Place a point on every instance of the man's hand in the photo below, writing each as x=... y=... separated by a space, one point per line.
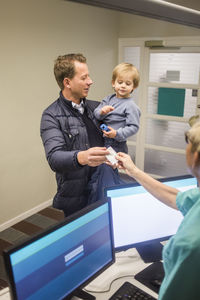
x=93 y=156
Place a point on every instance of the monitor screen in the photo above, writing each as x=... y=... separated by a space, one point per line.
x=55 y=263
x=140 y=219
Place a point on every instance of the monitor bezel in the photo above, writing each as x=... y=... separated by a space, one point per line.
x=10 y=250
x=135 y=184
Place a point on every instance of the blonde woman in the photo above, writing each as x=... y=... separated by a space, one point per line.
x=181 y=255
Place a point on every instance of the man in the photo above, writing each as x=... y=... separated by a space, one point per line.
x=73 y=142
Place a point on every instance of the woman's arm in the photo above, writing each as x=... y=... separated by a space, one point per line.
x=162 y=192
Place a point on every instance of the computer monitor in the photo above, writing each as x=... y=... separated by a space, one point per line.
x=140 y=220
x=58 y=262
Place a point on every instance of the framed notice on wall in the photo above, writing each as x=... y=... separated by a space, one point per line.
x=171 y=102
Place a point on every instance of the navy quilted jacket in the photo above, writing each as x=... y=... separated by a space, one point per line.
x=63 y=133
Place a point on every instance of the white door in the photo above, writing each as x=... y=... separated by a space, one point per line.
x=168 y=95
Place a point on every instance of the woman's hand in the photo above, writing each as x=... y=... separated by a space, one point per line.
x=125 y=162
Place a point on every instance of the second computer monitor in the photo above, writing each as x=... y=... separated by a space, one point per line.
x=140 y=220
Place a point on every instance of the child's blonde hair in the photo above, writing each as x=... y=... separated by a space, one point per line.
x=126 y=68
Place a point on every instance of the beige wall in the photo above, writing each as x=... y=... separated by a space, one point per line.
x=132 y=26
x=32 y=34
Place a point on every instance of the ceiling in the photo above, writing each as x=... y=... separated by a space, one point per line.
x=194 y=4
x=177 y=11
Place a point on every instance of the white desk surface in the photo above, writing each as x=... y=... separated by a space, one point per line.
x=127 y=264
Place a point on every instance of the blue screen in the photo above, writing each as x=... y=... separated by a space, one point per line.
x=54 y=265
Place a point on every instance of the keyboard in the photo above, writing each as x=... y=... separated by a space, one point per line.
x=129 y=291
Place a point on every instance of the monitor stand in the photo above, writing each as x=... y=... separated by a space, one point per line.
x=83 y=295
x=151 y=252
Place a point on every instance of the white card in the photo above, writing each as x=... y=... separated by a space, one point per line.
x=111 y=156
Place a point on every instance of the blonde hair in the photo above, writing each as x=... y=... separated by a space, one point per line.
x=193 y=135
x=126 y=68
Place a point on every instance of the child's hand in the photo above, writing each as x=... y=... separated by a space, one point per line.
x=111 y=133
x=106 y=109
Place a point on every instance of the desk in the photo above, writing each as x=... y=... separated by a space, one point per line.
x=127 y=265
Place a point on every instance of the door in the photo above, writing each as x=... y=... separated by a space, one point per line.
x=168 y=96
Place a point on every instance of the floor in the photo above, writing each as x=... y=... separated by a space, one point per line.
x=24 y=229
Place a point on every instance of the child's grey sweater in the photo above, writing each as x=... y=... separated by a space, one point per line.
x=124 y=118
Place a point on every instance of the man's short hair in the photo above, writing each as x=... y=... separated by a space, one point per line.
x=126 y=68
x=64 y=67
